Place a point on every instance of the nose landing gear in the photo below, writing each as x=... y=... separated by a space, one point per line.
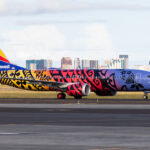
x=146 y=95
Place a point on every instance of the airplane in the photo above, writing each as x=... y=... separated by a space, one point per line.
x=75 y=82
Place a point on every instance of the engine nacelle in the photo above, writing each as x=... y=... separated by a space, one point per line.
x=106 y=93
x=78 y=90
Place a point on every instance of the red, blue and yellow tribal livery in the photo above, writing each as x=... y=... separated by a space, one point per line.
x=76 y=83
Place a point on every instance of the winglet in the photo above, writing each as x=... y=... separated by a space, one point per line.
x=3 y=57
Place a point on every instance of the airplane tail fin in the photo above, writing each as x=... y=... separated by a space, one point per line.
x=3 y=57
x=6 y=65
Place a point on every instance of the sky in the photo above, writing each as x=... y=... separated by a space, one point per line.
x=89 y=29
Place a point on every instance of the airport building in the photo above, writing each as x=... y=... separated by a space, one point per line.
x=66 y=63
x=117 y=63
x=85 y=64
x=113 y=64
x=141 y=67
x=49 y=63
x=93 y=64
x=89 y=64
x=77 y=63
x=103 y=67
x=124 y=61
x=36 y=64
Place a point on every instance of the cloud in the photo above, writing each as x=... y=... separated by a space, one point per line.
x=2 y=6
x=96 y=41
x=18 y=7
x=33 y=42
x=93 y=41
x=37 y=22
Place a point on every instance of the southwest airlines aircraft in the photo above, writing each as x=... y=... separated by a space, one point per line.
x=75 y=83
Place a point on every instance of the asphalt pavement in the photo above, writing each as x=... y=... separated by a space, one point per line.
x=74 y=126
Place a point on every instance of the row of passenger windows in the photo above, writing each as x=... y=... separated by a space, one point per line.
x=74 y=77
x=85 y=77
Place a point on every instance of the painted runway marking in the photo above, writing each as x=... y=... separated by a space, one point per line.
x=9 y=133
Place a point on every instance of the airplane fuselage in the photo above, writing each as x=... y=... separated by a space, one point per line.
x=103 y=82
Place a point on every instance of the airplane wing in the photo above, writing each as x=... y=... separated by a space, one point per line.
x=60 y=85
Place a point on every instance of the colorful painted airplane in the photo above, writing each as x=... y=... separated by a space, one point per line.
x=75 y=83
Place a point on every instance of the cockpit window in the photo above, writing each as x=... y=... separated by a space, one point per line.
x=148 y=76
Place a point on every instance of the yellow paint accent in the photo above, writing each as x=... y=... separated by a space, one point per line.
x=2 y=54
x=23 y=84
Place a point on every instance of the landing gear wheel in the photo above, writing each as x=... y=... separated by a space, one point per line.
x=77 y=97
x=61 y=95
x=145 y=97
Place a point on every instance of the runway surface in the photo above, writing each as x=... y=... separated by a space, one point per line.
x=72 y=101
x=74 y=126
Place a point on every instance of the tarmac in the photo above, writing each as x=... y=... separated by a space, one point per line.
x=74 y=126
x=71 y=101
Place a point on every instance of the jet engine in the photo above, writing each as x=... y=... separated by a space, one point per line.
x=78 y=90
x=106 y=93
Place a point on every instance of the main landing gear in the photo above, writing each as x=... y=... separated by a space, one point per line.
x=77 y=97
x=61 y=95
x=146 y=95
